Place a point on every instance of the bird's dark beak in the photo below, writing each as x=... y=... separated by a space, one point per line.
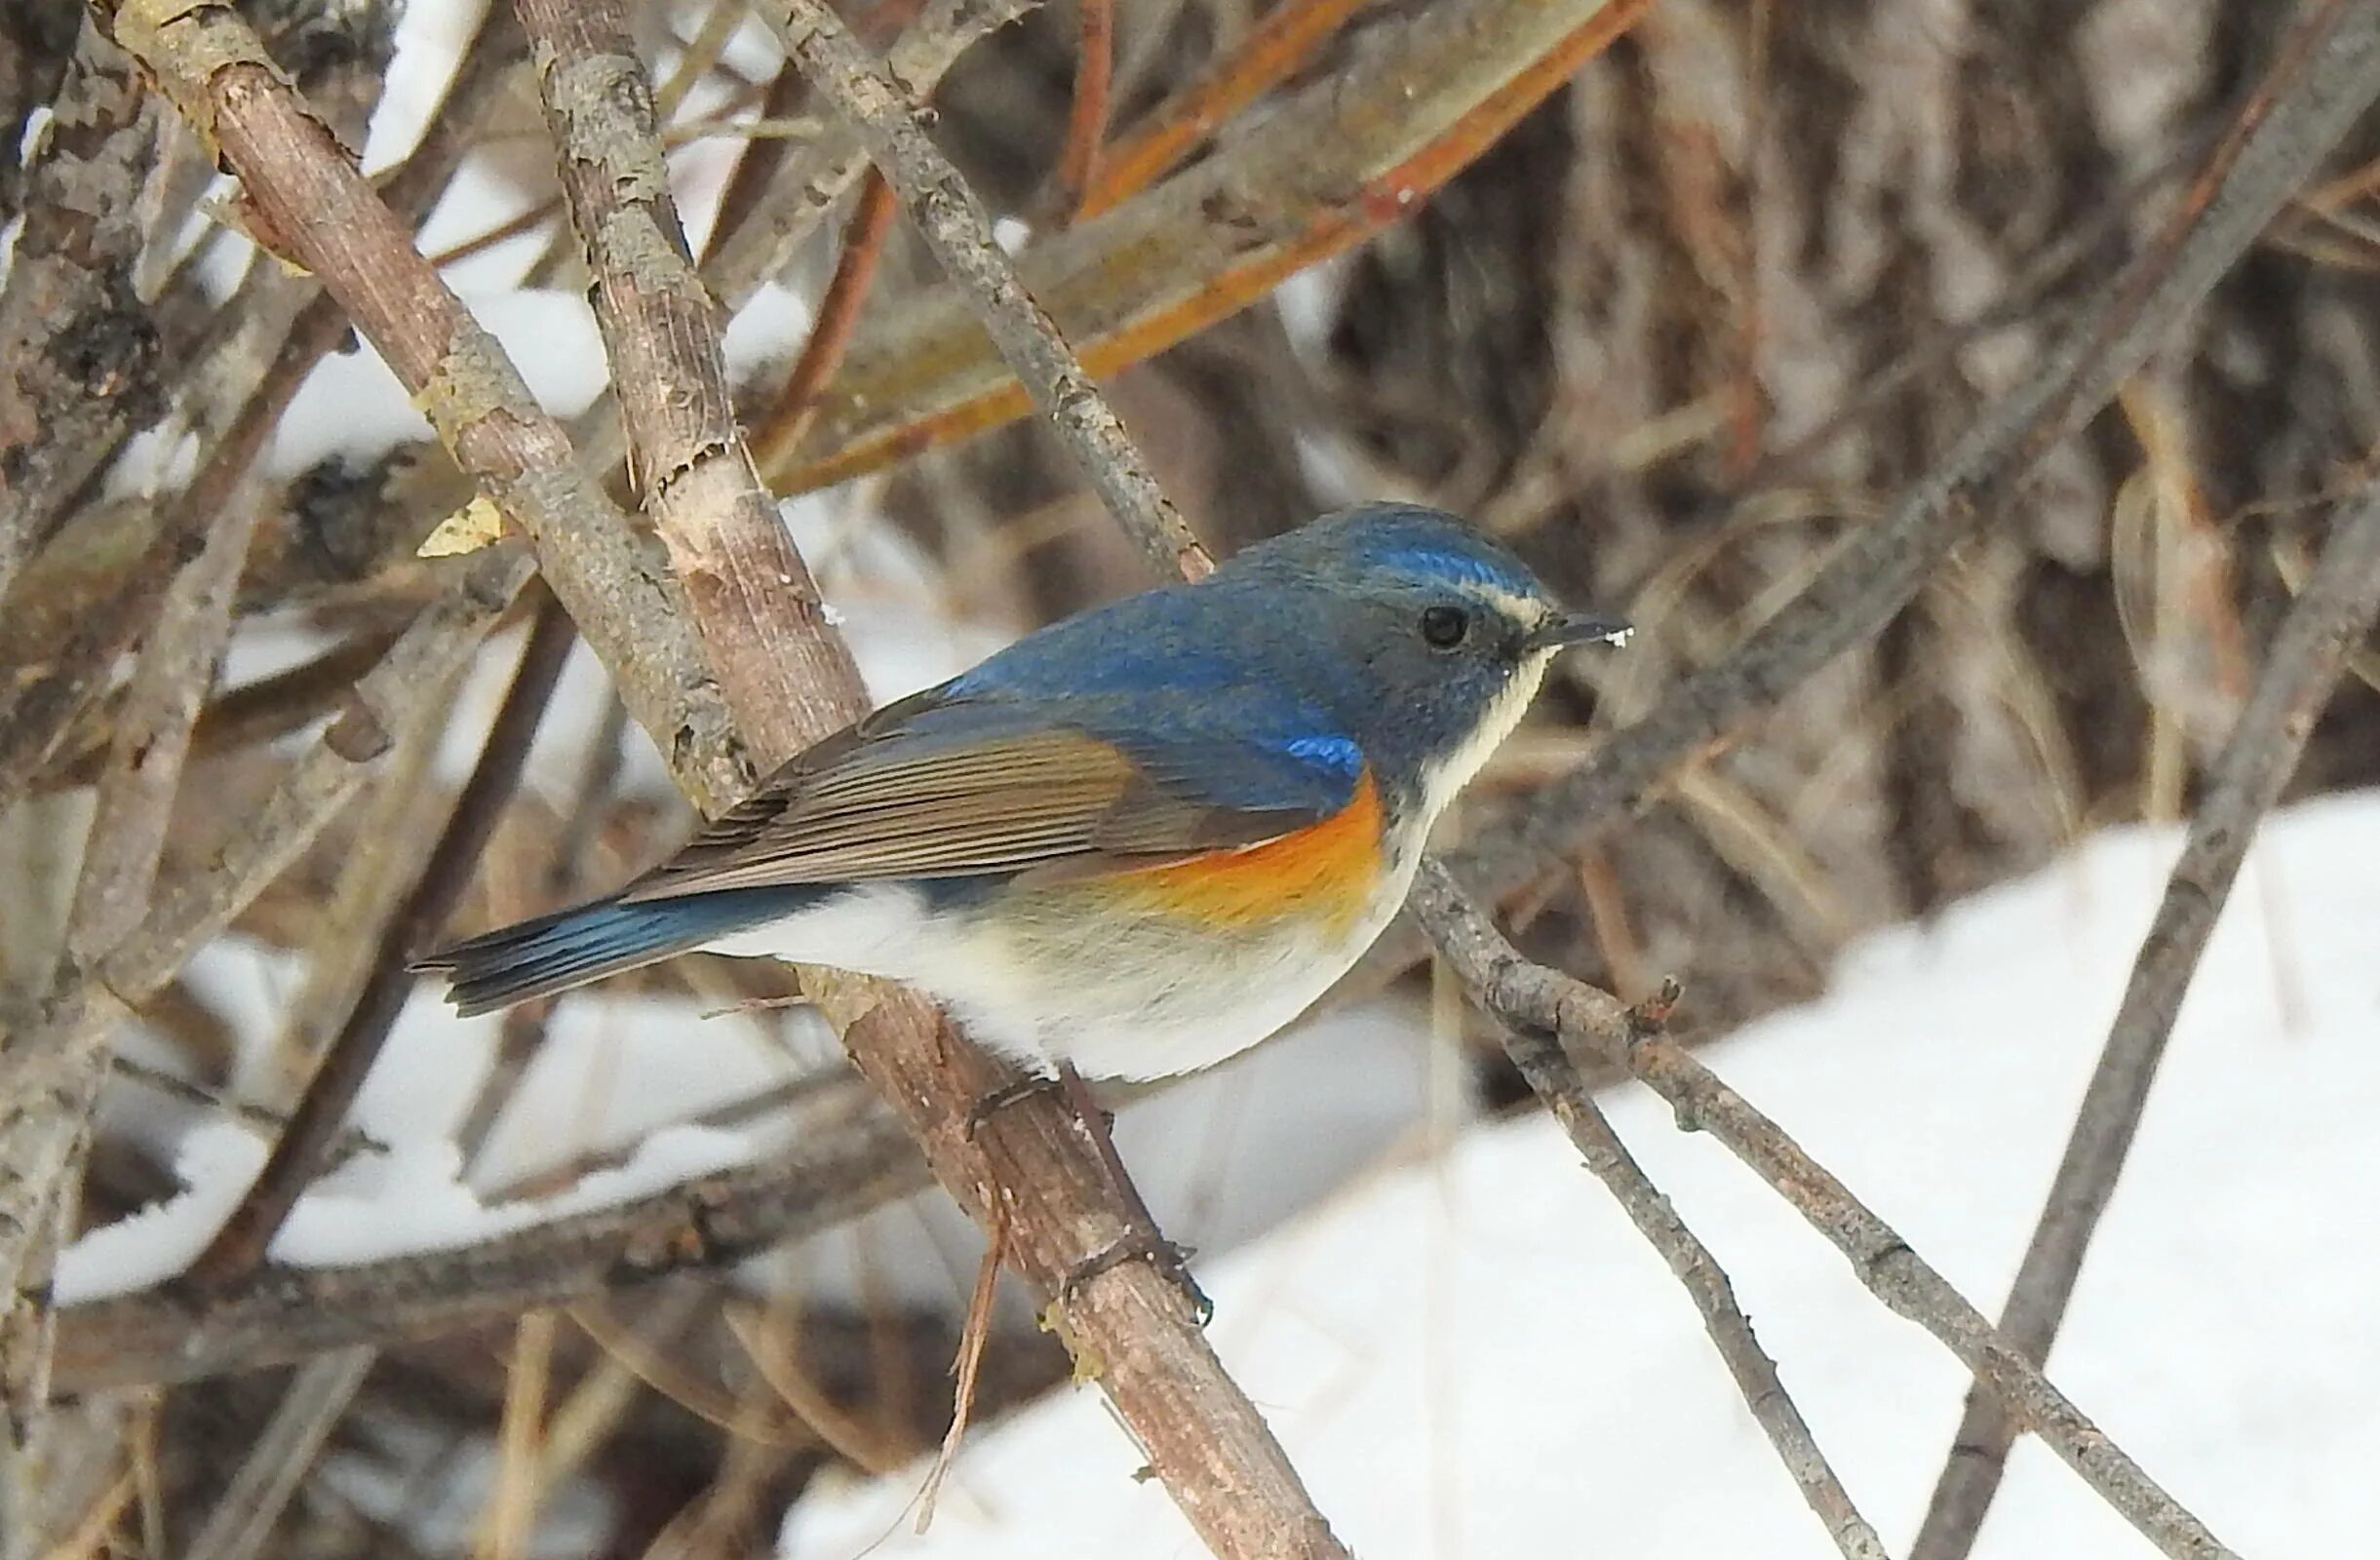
x=1577 y=628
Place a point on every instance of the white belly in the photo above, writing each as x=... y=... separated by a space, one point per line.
x=1123 y=998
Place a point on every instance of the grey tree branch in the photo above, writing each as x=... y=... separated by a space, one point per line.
x=1530 y=996
x=955 y=226
x=307 y=200
x=69 y=293
x=847 y=1155
x=2326 y=621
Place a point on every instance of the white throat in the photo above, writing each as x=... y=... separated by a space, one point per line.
x=1441 y=780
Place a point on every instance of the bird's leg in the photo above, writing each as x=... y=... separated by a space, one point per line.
x=1144 y=1241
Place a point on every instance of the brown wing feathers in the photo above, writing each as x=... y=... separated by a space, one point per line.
x=1048 y=799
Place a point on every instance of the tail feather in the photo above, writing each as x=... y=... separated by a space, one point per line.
x=574 y=947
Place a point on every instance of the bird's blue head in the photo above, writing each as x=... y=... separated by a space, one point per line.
x=1442 y=634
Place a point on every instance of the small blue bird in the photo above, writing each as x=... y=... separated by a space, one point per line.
x=1135 y=843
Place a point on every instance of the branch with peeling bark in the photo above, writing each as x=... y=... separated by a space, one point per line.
x=308 y=201
x=748 y=591
x=69 y=289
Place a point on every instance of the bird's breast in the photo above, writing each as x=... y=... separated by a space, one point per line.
x=1330 y=872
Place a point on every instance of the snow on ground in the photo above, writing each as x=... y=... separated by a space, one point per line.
x=1479 y=1357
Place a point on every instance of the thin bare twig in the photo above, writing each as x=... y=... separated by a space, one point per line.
x=277 y=1464
x=297 y=1155
x=865 y=237
x=955 y=226
x=1565 y=1094
x=1087 y=119
x=250 y=714
x=967 y=1367
x=1524 y=996
x=2309 y=653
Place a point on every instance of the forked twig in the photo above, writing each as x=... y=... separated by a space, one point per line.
x=1530 y=996
x=1567 y=1097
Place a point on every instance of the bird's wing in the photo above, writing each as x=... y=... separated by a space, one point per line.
x=943 y=787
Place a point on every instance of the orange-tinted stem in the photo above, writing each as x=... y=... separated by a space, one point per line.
x=863 y=241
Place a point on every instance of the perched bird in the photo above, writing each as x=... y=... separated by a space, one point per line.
x=1135 y=843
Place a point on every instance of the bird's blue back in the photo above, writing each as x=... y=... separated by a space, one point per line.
x=1187 y=682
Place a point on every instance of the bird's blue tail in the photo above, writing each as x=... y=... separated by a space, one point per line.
x=573 y=947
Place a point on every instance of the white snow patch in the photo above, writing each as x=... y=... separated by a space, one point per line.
x=407 y=1200
x=766 y=332
x=353 y=406
x=215 y=1162
x=430 y=41
x=1480 y=1358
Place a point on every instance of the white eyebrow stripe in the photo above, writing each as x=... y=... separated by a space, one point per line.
x=1526 y=610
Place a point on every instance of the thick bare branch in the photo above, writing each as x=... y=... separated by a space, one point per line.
x=753 y=604
x=308 y=201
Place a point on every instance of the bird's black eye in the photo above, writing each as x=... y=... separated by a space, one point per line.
x=1445 y=626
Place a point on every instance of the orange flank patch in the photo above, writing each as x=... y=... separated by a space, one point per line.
x=1328 y=870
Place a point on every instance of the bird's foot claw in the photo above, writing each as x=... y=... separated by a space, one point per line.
x=1006 y=1095
x=1148 y=1246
